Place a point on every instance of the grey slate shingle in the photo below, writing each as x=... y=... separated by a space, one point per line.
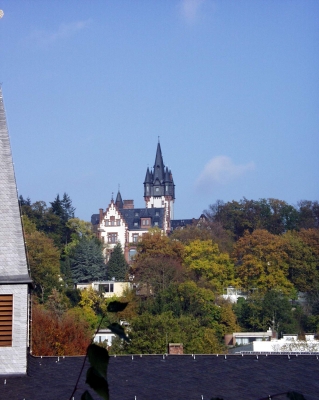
x=172 y=378
x=12 y=250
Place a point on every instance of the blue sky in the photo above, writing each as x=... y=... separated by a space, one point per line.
x=230 y=87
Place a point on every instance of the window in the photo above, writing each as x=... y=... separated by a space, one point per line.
x=135 y=237
x=131 y=254
x=118 y=222
x=106 y=222
x=112 y=237
x=145 y=222
x=135 y=223
x=155 y=223
x=6 y=305
x=107 y=288
x=157 y=213
x=157 y=189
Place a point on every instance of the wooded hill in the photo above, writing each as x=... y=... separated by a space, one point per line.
x=267 y=248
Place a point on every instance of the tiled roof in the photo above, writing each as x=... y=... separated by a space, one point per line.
x=179 y=223
x=12 y=250
x=133 y=215
x=182 y=377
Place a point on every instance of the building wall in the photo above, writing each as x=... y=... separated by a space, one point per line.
x=13 y=360
x=105 y=229
x=118 y=287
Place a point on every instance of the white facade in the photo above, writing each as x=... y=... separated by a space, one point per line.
x=232 y=294
x=165 y=202
x=13 y=359
x=104 y=335
x=112 y=228
x=108 y=288
x=289 y=343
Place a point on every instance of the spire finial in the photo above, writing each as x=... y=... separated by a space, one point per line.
x=158 y=139
x=112 y=197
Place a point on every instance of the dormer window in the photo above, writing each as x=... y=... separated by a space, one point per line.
x=157 y=189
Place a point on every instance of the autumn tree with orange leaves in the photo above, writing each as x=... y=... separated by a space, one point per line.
x=54 y=335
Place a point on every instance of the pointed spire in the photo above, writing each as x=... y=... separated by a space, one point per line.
x=148 y=177
x=119 y=201
x=159 y=165
x=13 y=263
x=167 y=177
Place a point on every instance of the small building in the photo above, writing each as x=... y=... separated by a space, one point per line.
x=104 y=336
x=232 y=294
x=108 y=288
x=245 y=338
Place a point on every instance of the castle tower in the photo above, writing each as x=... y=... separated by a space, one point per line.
x=159 y=188
x=14 y=276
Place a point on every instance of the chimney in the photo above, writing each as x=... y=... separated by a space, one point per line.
x=128 y=204
x=101 y=215
x=175 y=348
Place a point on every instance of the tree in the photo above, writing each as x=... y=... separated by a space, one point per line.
x=44 y=260
x=274 y=215
x=62 y=336
x=117 y=266
x=87 y=262
x=206 y=262
x=206 y=230
x=258 y=312
x=157 y=273
x=64 y=210
x=261 y=261
x=303 y=260
x=155 y=243
x=150 y=334
x=308 y=214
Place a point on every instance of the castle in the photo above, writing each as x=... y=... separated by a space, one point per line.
x=123 y=223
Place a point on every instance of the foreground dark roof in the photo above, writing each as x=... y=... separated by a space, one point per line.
x=172 y=377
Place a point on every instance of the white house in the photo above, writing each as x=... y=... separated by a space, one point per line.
x=108 y=288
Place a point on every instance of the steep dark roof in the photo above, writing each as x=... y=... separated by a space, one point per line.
x=13 y=261
x=95 y=219
x=181 y=223
x=119 y=201
x=171 y=378
x=159 y=165
x=134 y=215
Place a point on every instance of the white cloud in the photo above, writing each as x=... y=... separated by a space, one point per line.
x=62 y=32
x=190 y=9
x=221 y=170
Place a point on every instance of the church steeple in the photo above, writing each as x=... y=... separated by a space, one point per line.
x=12 y=255
x=14 y=276
x=159 y=188
x=159 y=165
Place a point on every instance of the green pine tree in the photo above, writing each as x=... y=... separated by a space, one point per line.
x=117 y=266
x=87 y=262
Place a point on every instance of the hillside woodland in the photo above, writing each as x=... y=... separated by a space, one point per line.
x=267 y=248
